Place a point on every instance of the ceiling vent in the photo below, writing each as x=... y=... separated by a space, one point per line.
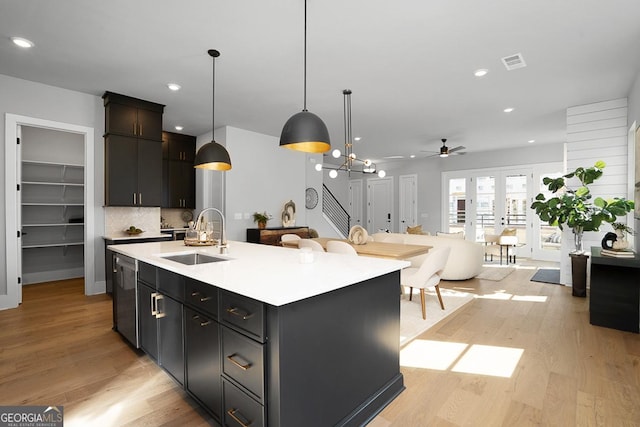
x=513 y=62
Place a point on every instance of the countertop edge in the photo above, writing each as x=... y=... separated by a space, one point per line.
x=274 y=279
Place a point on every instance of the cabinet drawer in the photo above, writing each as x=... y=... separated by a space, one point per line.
x=243 y=361
x=239 y=409
x=201 y=296
x=147 y=273
x=171 y=284
x=243 y=313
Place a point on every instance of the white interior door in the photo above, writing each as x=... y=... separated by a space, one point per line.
x=408 y=209
x=355 y=202
x=379 y=204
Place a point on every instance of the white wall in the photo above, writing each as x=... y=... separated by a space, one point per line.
x=263 y=178
x=36 y=100
x=595 y=132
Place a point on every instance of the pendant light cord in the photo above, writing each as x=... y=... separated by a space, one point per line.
x=305 y=56
x=213 y=54
x=213 y=100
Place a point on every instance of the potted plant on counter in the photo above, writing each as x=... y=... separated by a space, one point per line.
x=577 y=209
x=261 y=218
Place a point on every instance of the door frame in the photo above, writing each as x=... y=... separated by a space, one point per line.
x=13 y=297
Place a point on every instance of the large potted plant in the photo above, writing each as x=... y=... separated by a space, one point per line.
x=578 y=210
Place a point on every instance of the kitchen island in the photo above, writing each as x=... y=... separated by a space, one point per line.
x=260 y=338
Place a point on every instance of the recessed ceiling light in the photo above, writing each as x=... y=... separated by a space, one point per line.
x=179 y=128
x=508 y=110
x=480 y=72
x=19 y=41
x=174 y=86
x=531 y=141
x=357 y=138
x=413 y=156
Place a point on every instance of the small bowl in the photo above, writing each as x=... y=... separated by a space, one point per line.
x=133 y=233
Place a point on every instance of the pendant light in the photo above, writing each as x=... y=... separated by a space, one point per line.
x=305 y=131
x=212 y=155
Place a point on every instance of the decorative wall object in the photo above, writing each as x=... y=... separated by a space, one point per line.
x=289 y=214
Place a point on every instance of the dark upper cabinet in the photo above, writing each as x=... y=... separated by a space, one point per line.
x=133 y=151
x=178 y=173
x=132 y=117
x=133 y=171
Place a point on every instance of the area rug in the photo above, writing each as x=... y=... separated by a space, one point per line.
x=411 y=322
x=495 y=273
x=547 y=275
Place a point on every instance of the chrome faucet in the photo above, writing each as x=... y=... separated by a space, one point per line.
x=222 y=243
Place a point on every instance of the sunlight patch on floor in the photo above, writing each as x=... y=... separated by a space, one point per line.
x=460 y=357
x=489 y=360
x=429 y=354
x=504 y=296
x=532 y=298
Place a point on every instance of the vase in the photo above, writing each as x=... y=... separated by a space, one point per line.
x=262 y=225
x=577 y=239
x=621 y=240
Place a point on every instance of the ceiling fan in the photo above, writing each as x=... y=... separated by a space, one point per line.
x=445 y=151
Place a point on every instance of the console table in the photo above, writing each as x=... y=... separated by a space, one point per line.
x=272 y=235
x=614 y=298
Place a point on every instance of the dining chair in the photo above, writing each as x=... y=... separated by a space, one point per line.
x=308 y=243
x=339 y=247
x=427 y=275
x=289 y=237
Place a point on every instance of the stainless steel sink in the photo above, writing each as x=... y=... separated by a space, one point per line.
x=194 y=258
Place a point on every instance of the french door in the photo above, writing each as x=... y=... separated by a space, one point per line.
x=487 y=201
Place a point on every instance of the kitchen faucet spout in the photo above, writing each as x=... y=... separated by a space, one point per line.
x=222 y=243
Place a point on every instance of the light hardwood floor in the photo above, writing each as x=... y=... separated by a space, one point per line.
x=58 y=348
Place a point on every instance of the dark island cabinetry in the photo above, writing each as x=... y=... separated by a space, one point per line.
x=133 y=151
x=178 y=173
x=325 y=360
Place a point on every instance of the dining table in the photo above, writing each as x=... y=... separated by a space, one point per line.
x=373 y=249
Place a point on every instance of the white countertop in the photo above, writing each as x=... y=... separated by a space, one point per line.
x=270 y=274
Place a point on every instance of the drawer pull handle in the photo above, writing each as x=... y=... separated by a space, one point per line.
x=239 y=312
x=202 y=299
x=232 y=413
x=244 y=367
x=205 y=322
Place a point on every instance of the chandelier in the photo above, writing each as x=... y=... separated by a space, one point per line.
x=351 y=163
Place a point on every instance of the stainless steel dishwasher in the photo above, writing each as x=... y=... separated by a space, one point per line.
x=125 y=298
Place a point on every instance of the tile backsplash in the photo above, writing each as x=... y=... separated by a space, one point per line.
x=118 y=219
x=174 y=217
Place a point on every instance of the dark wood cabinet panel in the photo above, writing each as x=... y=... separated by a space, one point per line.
x=147 y=322
x=121 y=170
x=171 y=345
x=133 y=171
x=133 y=151
x=202 y=352
x=134 y=117
x=178 y=176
